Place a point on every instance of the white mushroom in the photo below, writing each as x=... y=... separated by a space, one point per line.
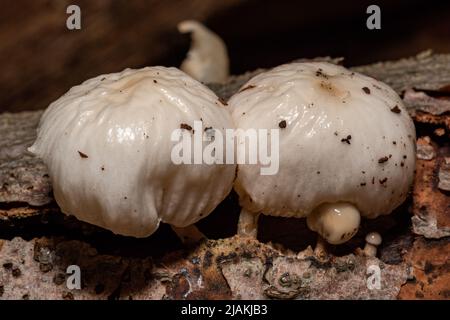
x=373 y=240
x=107 y=144
x=207 y=59
x=346 y=144
x=336 y=222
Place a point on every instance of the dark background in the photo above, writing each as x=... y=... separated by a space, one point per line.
x=40 y=59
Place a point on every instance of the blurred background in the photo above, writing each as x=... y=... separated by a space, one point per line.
x=40 y=58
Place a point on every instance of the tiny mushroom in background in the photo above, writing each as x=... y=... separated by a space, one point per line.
x=373 y=240
x=207 y=59
x=347 y=148
x=108 y=147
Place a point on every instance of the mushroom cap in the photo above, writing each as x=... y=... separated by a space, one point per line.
x=344 y=137
x=373 y=238
x=107 y=144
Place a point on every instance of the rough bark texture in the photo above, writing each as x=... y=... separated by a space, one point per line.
x=431 y=205
x=23 y=177
x=39 y=242
x=430 y=263
x=231 y=268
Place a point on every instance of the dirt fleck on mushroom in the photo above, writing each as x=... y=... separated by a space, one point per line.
x=185 y=126
x=319 y=73
x=282 y=124
x=83 y=155
x=154 y=81
x=383 y=159
x=396 y=109
x=222 y=101
x=376 y=87
x=366 y=90
x=247 y=87
x=383 y=181
x=326 y=85
x=347 y=140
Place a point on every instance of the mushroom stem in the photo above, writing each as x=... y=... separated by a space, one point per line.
x=321 y=247
x=189 y=234
x=370 y=250
x=248 y=224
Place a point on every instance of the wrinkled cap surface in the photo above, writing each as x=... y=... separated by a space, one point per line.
x=107 y=144
x=344 y=137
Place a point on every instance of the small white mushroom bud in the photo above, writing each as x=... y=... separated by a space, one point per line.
x=108 y=145
x=346 y=147
x=336 y=223
x=373 y=240
x=207 y=59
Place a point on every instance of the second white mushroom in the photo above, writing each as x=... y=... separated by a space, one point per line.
x=346 y=148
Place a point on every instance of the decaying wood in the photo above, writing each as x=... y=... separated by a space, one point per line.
x=231 y=268
x=431 y=206
x=23 y=177
x=234 y=267
x=430 y=263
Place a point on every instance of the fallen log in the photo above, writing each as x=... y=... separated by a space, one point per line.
x=38 y=243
